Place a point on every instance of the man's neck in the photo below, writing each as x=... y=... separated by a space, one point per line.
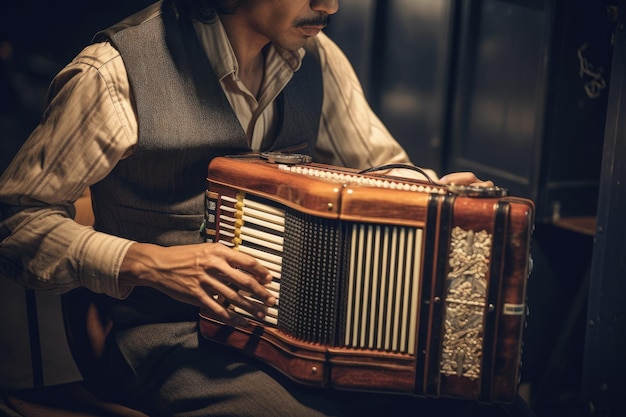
x=248 y=49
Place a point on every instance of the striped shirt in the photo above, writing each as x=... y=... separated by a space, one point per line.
x=90 y=124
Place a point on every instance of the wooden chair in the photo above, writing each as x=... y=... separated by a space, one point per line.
x=86 y=332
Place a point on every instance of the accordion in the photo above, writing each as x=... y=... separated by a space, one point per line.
x=383 y=284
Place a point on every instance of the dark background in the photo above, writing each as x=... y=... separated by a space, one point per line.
x=37 y=39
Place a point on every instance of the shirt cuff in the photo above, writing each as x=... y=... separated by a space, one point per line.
x=99 y=263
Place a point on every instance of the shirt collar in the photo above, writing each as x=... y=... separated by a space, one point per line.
x=217 y=47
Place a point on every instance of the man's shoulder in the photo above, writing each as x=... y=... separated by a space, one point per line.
x=98 y=55
x=147 y=14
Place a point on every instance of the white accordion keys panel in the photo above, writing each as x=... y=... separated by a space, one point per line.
x=383 y=285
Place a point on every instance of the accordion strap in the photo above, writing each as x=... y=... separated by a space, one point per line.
x=398 y=166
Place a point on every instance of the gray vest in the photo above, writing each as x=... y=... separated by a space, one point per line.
x=184 y=121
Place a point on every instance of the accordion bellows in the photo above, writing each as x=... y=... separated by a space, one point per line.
x=383 y=284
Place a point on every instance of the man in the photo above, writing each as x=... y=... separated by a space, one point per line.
x=137 y=116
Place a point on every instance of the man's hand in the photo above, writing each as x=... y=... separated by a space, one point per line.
x=194 y=274
x=465 y=178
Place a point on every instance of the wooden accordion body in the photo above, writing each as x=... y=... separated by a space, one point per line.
x=383 y=284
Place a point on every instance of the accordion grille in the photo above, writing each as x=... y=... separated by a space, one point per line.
x=355 y=286
x=310 y=278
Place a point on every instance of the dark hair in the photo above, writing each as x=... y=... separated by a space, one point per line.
x=206 y=10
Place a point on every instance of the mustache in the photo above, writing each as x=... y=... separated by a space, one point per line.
x=319 y=20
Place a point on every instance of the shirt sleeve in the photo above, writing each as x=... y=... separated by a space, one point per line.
x=350 y=133
x=88 y=125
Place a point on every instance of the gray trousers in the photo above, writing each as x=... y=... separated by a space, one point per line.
x=170 y=370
